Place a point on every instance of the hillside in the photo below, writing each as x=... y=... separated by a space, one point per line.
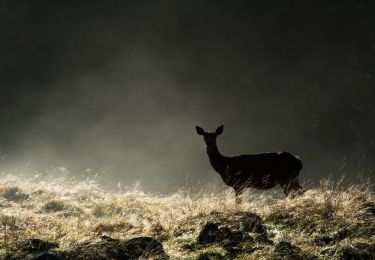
x=66 y=218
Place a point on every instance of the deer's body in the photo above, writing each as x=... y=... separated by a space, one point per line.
x=260 y=171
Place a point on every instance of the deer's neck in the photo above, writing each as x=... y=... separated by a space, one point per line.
x=218 y=161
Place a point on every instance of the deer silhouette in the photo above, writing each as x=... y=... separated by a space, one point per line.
x=260 y=171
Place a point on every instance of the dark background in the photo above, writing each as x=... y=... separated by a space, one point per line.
x=118 y=86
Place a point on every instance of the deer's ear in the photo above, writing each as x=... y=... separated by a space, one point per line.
x=220 y=130
x=200 y=130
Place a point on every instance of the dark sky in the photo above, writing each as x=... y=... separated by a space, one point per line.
x=118 y=86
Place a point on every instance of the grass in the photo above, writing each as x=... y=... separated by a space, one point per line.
x=322 y=223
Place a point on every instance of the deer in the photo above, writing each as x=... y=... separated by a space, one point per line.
x=260 y=171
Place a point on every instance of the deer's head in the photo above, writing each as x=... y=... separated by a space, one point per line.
x=209 y=138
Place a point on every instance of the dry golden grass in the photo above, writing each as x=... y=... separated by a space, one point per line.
x=72 y=213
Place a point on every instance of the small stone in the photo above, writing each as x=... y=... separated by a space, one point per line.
x=35 y=245
x=209 y=234
x=357 y=251
x=369 y=207
x=251 y=222
x=106 y=248
x=141 y=247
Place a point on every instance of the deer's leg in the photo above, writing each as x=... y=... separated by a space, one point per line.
x=292 y=188
x=295 y=188
x=238 y=193
x=298 y=190
x=285 y=189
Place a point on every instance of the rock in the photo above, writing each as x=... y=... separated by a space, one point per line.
x=251 y=222
x=48 y=256
x=238 y=244
x=209 y=234
x=144 y=247
x=225 y=233
x=224 y=236
x=369 y=208
x=357 y=251
x=231 y=240
x=233 y=237
x=285 y=249
x=35 y=245
x=238 y=221
x=107 y=248
x=339 y=235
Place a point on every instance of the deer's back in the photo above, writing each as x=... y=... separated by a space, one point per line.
x=278 y=167
x=267 y=161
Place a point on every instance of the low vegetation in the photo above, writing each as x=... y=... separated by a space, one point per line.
x=69 y=219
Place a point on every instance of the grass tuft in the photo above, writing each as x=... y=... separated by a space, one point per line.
x=14 y=194
x=53 y=206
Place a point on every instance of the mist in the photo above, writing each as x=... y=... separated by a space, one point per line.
x=116 y=88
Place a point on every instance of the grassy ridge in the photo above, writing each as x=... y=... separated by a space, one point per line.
x=325 y=223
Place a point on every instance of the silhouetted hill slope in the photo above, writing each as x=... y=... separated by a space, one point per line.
x=61 y=219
